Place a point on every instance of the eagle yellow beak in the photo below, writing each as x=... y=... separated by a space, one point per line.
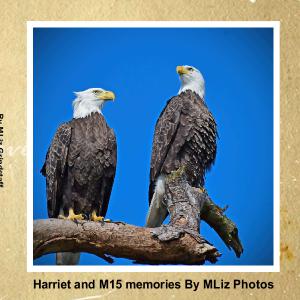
x=107 y=95
x=181 y=70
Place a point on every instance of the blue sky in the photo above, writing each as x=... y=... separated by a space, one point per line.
x=138 y=64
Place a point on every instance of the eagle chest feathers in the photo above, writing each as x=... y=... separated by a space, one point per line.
x=80 y=166
x=92 y=150
x=185 y=135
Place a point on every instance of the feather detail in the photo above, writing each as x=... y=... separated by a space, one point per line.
x=185 y=134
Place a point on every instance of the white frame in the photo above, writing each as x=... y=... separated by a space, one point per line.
x=155 y=24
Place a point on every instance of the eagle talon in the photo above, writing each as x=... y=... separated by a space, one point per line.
x=202 y=190
x=62 y=217
x=98 y=219
x=76 y=217
x=95 y=218
x=72 y=216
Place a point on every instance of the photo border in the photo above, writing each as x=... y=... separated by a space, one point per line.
x=276 y=143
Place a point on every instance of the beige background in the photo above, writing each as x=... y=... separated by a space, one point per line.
x=15 y=282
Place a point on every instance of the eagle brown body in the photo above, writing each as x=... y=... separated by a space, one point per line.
x=185 y=135
x=80 y=167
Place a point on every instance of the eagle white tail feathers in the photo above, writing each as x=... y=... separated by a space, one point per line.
x=67 y=258
x=157 y=211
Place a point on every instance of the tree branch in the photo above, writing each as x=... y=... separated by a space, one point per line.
x=214 y=216
x=118 y=240
x=178 y=242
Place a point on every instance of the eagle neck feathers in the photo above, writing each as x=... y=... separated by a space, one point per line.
x=84 y=109
x=193 y=86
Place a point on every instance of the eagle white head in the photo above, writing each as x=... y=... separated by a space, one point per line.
x=89 y=101
x=191 y=79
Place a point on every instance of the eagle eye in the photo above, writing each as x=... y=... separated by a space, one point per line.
x=190 y=69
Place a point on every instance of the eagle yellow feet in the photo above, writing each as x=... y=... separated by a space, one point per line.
x=72 y=216
x=95 y=218
x=202 y=189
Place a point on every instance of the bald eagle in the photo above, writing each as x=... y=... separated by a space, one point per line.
x=185 y=135
x=80 y=164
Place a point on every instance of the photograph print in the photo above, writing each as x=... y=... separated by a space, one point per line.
x=153 y=146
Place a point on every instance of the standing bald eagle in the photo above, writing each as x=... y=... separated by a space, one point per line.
x=185 y=135
x=81 y=163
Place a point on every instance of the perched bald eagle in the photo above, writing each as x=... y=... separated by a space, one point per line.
x=80 y=164
x=185 y=135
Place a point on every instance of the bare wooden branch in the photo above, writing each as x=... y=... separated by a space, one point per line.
x=215 y=217
x=118 y=240
x=179 y=242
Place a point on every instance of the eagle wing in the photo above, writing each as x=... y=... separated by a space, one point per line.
x=55 y=166
x=92 y=164
x=165 y=132
x=110 y=156
x=185 y=133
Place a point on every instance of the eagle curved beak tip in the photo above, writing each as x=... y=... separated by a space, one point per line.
x=108 y=95
x=181 y=70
